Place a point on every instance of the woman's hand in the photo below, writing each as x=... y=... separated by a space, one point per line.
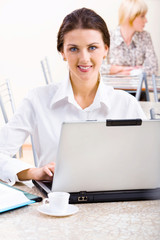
x=122 y=70
x=43 y=173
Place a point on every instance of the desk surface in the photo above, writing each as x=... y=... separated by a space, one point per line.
x=130 y=82
x=114 y=221
x=138 y=220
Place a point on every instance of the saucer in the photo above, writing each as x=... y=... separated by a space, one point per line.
x=69 y=211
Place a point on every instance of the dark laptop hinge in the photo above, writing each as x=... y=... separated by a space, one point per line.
x=123 y=122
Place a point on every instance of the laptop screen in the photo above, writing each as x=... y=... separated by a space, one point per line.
x=96 y=157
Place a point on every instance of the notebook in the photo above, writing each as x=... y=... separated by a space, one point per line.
x=114 y=160
x=13 y=198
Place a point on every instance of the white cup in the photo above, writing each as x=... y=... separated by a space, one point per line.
x=58 y=201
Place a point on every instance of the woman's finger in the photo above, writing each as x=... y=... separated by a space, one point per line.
x=48 y=171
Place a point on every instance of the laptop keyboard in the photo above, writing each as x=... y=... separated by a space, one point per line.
x=48 y=184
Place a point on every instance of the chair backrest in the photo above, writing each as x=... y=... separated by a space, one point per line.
x=7 y=104
x=6 y=100
x=46 y=71
x=3 y=111
x=6 y=97
x=128 y=83
x=155 y=82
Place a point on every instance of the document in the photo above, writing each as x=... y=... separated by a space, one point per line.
x=11 y=198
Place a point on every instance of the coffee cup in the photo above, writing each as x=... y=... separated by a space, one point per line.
x=57 y=201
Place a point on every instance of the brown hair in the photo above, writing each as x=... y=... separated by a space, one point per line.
x=82 y=19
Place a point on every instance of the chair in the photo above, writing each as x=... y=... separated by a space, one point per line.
x=131 y=84
x=34 y=153
x=46 y=70
x=155 y=82
x=7 y=103
x=154 y=115
x=6 y=97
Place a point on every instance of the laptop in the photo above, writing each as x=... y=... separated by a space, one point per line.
x=114 y=160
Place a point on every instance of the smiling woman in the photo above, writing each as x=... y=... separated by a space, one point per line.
x=83 y=40
x=84 y=59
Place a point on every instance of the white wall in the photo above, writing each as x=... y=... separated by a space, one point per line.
x=28 y=32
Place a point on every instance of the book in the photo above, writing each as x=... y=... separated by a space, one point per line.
x=12 y=198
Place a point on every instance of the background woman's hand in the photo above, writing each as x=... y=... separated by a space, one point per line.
x=43 y=173
x=122 y=70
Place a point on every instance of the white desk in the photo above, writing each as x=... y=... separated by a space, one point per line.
x=101 y=221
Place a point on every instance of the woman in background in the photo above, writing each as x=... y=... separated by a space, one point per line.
x=131 y=49
x=83 y=41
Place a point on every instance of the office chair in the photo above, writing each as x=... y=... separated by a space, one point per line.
x=131 y=84
x=46 y=71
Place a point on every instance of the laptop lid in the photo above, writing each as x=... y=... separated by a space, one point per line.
x=93 y=156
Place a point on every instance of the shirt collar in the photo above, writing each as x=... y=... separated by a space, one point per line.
x=118 y=39
x=135 y=38
x=103 y=94
x=65 y=93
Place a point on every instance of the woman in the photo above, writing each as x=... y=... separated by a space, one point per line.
x=83 y=41
x=131 y=47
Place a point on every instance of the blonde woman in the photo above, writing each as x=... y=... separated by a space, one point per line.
x=131 y=47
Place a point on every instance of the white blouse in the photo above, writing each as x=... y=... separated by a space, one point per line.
x=41 y=114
